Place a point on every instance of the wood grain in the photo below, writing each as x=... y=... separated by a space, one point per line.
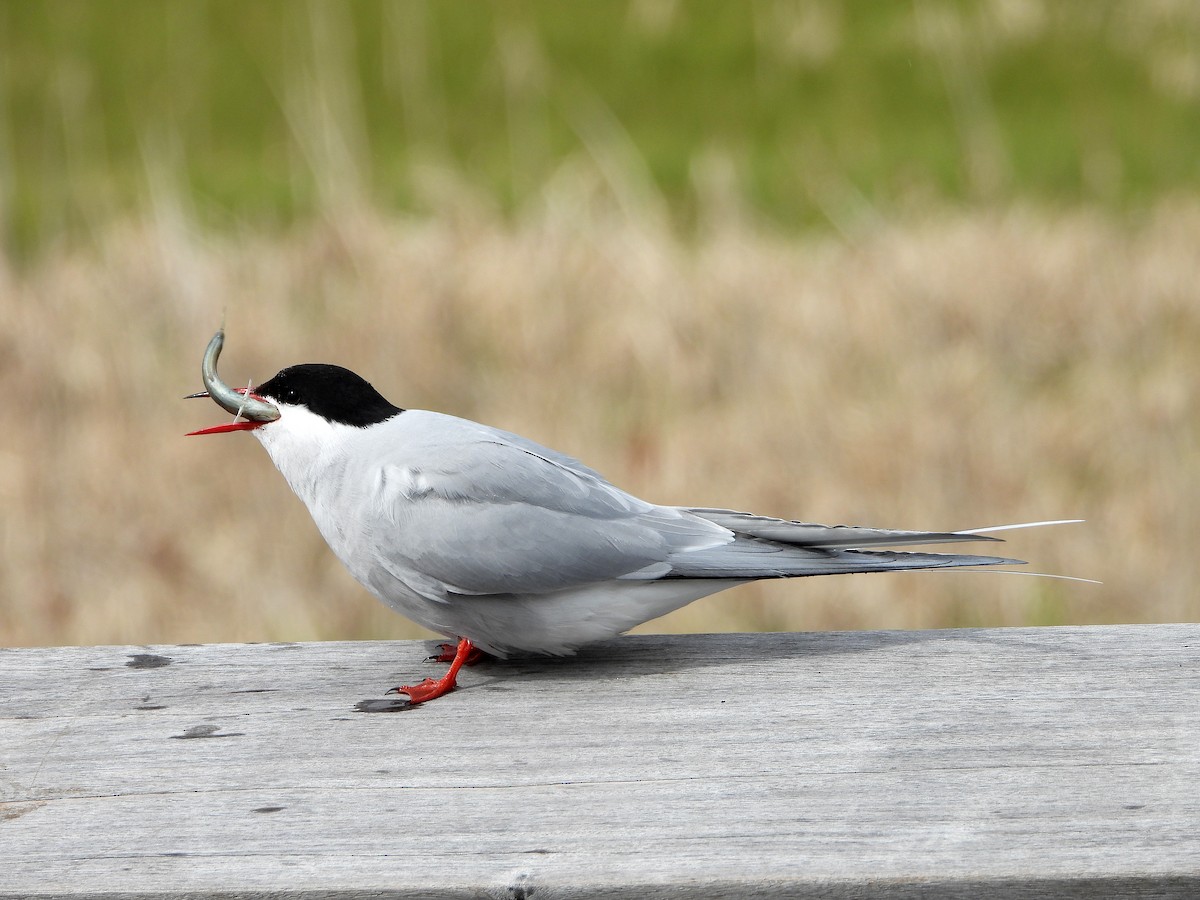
x=1018 y=762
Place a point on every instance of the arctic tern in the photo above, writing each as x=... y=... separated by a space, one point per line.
x=503 y=545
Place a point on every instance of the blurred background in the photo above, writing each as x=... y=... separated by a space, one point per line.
x=921 y=265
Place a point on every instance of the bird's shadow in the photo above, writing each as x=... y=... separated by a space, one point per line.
x=641 y=655
x=675 y=653
x=666 y=654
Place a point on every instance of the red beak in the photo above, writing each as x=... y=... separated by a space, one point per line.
x=228 y=426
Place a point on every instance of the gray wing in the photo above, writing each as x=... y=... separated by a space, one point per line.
x=489 y=516
x=468 y=509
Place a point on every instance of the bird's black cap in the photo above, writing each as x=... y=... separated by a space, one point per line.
x=331 y=392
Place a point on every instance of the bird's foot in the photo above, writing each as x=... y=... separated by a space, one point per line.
x=430 y=688
x=448 y=651
x=426 y=690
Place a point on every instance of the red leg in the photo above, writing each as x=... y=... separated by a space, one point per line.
x=430 y=689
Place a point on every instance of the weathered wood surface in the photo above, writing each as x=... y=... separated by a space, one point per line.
x=1018 y=763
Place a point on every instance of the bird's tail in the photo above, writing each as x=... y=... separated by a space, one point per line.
x=776 y=548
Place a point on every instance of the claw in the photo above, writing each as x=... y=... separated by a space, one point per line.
x=445 y=653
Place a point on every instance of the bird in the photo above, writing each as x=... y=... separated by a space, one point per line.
x=503 y=545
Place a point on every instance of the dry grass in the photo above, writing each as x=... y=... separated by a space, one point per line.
x=960 y=370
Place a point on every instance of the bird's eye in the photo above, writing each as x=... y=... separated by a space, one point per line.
x=290 y=395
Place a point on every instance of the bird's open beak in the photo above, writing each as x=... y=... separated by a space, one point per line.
x=249 y=409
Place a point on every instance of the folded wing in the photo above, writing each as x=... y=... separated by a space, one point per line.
x=491 y=513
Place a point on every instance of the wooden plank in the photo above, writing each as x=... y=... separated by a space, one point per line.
x=1019 y=762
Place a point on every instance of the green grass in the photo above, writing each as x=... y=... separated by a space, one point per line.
x=810 y=105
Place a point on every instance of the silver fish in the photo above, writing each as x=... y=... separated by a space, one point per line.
x=242 y=402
